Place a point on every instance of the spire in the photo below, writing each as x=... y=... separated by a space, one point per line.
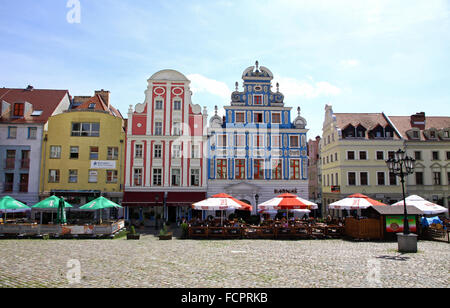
x=257 y=65
x=299 y=111
x=278 y=87
x=216 y=109
x=237 y=86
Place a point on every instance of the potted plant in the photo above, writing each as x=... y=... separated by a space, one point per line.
x=132 y=234
x=164 y=234
x=184 y=230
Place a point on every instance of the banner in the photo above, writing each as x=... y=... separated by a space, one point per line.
x=395 y=224
x=103 y=164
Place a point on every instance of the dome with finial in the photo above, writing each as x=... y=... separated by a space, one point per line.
x=258 y=72
x=299 y=121
x=215 y=121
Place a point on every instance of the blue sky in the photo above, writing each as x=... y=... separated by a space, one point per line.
x=359 y=56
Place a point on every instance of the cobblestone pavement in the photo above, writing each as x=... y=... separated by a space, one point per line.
x=237 y=263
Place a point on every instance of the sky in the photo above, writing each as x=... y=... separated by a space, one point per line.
x=389 y=56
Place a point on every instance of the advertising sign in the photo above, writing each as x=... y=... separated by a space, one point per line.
x=103 y=164
x=395 y=224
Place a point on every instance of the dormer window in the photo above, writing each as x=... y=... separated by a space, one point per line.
x=18 y=109
x=415 y=134
x=257 y=99
x=91 y=106
x=432 y=134
x=36 y=113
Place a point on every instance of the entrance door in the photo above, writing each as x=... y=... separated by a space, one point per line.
x=172 y=213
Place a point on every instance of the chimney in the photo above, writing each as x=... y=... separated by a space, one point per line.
x=29 y=88
x=105 y=96
x=418 y=120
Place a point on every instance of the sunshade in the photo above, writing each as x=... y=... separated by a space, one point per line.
x=425 y=206
x=354 y=202
x=50 y=203
x=221 y=202
x=8 y=204
x=99 y=204
x=288 y=202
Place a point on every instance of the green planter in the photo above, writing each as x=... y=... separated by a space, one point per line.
x=165 y=237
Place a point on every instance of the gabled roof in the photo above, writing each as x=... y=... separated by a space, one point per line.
x=95 y=102
x=368 y=120
x=42 y=100
x=403 y=123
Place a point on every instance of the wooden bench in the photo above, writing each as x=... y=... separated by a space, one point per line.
x=198 y=232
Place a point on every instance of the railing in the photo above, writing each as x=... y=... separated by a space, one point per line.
x=10 y=163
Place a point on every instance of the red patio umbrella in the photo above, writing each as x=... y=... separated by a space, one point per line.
x=354 y=202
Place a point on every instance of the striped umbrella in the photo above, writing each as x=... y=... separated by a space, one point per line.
x=354 y=202
x=288 y=202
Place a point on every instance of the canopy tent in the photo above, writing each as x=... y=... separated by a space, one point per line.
x=221 y=202
x=8 y=204
x=100 y=204
x=425 y=206
x=355 y=202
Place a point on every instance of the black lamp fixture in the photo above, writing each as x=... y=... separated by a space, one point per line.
x=257 y=200
x=402 y=165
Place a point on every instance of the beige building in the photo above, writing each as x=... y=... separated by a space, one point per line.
x=354 y=148
x=427 y=139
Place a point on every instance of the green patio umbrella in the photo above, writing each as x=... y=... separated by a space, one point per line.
x=52 y=203
x=9 y=203
x=100 y=204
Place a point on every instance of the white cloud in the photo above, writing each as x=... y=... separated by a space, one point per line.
x=349 y=63
x=200 y=83
x=291 y=87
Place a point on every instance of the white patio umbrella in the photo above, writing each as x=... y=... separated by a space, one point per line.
x=425 y=206
x=221 y=202
x=288 y=202
x=354 y=202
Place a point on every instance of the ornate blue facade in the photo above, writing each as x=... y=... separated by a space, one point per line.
x=255 y=144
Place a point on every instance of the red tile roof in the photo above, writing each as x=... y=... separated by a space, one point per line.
x=403 y=123
x=368 y=120
x=97 y=103
x=44 y=100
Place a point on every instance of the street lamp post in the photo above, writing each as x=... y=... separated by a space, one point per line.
x=402 y=165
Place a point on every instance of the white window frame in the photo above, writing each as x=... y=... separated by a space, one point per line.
x=177 y=102
x=158 y=128
x=262 y=144
x=178 y=177
x=240 y=112
x=385 y=178
x=140 y=152
x=220 y=140
x=346 y=156
x=367 y=155
x=91 y=177
x=298 y=141
x=134 y=177
x=159 y=175
x=237 y=137
x=159 y=150
x=271 y=118
x=262 y=117
x=197 y=177
x=368 y=178
x=55 y=152
x=176 y=151
x=254 y=99
x=348 y=178
x=159 y=102
x=280 y=141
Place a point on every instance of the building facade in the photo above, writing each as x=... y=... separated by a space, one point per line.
x=23 y=122
x=314 y=176
x=354 y=149
x=427 y=140
x=165 y=167
x=255 y=152
x=83 y=152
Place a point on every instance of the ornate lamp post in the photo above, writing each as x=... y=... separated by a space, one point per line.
x=256 y=200
x=402 y=165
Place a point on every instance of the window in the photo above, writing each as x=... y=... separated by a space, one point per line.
x=177 y=105
x=391 y=154
x=137 y=177
x=293 y=141
x=32 y=133
x=258 y=117
x=93 y=176
x=337 y=178
x=55 y=152
x=432 y=134
x=85 y=129
x=350 y=155
x=380 y=155
x=448 y=178
x=195 y=151
x=258 y=169
x=25 y=162
x=419 y=178
x=176 y=177
x=448 y=155
x=276 y=141
x=294 y=169
x=23 y=185
x=158 y=104
x=276 y=118
x=335 y=156
x=239 y=169
x=381 y=178
x=418 y=155
x=240 y=141
x=18 y=109
x=222 y=169
x=73 y=176
x=240 y=117
x=158 y=128
x=74 y=152
x=258 y=141
x=392 y=179
x=352 y=178
x=111 y=176
x=435 y=155
x=138 y=151
x=176 y=151
x=177 y=129
x=93 y=154
x=364 y=178
x=113 y=153
x=10 y=159
x=53 y=176
x=9 y=182
x=157 y=177
x=257 y=99
x=195 y=177
x=157 y=151
x=12 y=132
x=277 y=169
x=436 y=178
x=362 y=155
x=222 y=140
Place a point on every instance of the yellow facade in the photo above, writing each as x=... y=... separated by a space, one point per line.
x=59 y=159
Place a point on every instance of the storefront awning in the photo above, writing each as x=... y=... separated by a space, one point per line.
x=184 y=198
x=139 y=199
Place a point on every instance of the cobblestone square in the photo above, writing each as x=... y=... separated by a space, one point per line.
x=228 y=263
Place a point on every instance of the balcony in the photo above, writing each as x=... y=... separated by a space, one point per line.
x=8 y=187
x=25 y=164
x=10 y=163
